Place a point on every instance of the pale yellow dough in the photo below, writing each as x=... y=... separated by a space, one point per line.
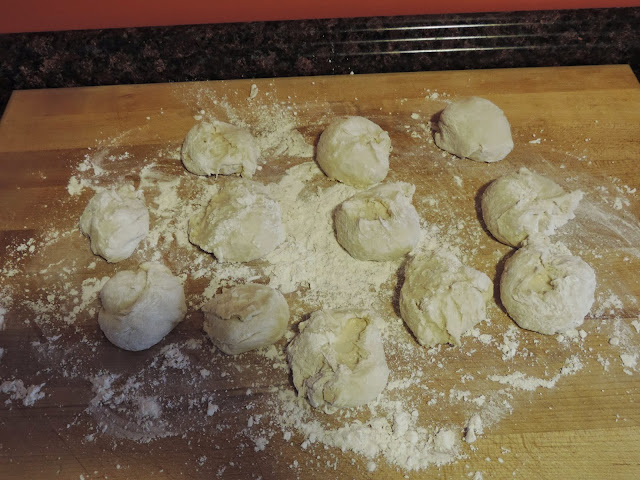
x=355 y=151
x=246 y=317
x=140 y=307
x=338 y=358
x=241 y=223
x=441 y=298
x=219 y=148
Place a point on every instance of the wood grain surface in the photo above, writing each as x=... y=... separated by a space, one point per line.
x=578 y=125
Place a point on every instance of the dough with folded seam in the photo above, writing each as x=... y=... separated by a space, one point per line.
x=116 y=220
x=355 y=151
x=442 y=298
x=546 y=289
x=140 y=307
x=379 y=223
x=338 y=359
x=246 y=317
x=523 y=204
x=220 y=148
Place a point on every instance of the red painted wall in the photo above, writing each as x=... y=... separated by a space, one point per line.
x=46 y=15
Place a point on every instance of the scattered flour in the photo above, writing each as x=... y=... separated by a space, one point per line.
x=519 y=380
x=148 y=407
x=310 y=258
x=212 y=409
x=629 y=360
x=474 y=428
x=17 y=391
x=396 y=436
x=509 y=346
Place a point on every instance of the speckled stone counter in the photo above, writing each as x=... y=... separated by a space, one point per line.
x=318 y=47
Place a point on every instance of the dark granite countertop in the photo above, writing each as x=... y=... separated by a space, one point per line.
x=319 y=47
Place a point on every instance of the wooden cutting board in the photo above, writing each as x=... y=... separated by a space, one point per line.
x=579 y=125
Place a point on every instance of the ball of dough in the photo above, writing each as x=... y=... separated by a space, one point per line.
x=355 y=151
x=546 y=289
x=116 y=220
x=246 y=317
x=338 y=359
x=441 y=298
x=140 y=307
x=523 y=203
x=379 y=223
x=241 y=223
x=474 y=128
x=213 y=148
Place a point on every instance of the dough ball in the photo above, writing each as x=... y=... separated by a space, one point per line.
x=355 y=151
x=441 y=298
x=241 y=223
x=338 y=359
x=116 y=221
x=379 y=223
x=546 y=289
x=213 y=148
x=140 y=307
x=474 y=128
x=245 y=318
x=521 y=204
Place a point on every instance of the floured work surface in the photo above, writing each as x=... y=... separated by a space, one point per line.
x=507 y=403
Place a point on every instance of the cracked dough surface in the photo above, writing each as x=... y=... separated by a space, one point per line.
x=338 y=359
x=219 y=148
x=379 y=223
x=116 y=220
x=246 y=317
x=546 y=289
x=523 y=204
x=140 y=307
x=441 y=298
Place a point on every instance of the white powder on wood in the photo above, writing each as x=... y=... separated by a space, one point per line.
x=521 y=381
x=629 y=360
x=473 y=429
x=310 y=258
x=397 y=438
x=148 y=407
x=17 y=391
x=212 y=409
x=140 y=404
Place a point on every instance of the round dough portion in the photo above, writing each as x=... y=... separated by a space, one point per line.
x=355 y=151
x=474 y=128
x=219 y=148
x=338 y=359
x=546 y=289
x=246 y=317
x=241 y=223
x=116 y=220
x=140 y=307
x=441 y=298
x=523 y=204
x=379 y=223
